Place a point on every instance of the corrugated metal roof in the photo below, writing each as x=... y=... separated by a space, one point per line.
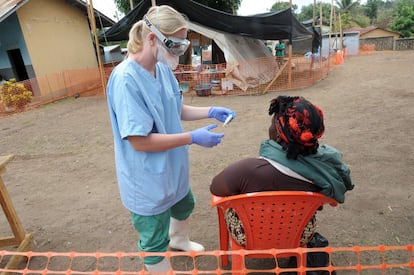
x=8 y=7
x=362 y=30
x=369 y=29
x=99 y=17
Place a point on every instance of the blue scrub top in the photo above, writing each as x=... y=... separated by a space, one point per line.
x=139 y=104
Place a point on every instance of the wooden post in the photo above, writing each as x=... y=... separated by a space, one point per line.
x=313 y=30
x=91 y=14
x=19 y=237
x=333 y=31
x=330 y=33
x=275 y=78
x=341 y=33
x=313 y=13
x=321 y=32
x=290 y=49
x=290 y=64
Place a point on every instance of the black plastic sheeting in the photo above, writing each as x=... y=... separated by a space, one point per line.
x=265 y=26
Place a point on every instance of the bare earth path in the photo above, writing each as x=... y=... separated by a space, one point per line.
x=63 y=184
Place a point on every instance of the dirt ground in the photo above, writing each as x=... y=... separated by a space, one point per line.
x=63 y=185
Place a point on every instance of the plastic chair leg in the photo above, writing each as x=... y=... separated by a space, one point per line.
x=224 y=237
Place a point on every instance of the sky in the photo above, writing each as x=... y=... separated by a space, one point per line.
x=107 y=7
x=249 y=7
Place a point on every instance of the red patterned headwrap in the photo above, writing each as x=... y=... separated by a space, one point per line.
x=297 y=120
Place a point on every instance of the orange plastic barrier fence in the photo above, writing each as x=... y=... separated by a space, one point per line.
x=302 y=73
x=53 y=87
x=347 y=260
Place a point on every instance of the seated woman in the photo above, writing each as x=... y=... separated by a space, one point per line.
x=291 y=159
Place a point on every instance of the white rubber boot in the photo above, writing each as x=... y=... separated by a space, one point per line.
x=179 y=236
x=159 y=268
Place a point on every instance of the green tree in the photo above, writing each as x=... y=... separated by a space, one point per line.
x=352 y=14
x=404 y=20
x=379 y=12
x=349 y=17
x=278 y=6
x=371 y=9
x=385 y=14
x=356 y=19
x=346 y=5
x=306 y=12
x=124 y=6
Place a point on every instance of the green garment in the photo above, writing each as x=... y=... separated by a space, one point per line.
x=325 y=168
x=280 y=50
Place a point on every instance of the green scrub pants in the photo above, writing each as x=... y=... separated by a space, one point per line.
x=153 y=230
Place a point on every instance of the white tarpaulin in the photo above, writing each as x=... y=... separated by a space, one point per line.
x=249 y=61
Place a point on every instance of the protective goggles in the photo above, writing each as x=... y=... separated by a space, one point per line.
x=175 y=46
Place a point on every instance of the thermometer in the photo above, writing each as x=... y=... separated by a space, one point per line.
x=228 y=119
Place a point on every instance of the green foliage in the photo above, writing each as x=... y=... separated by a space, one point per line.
x=349 y=20
x=15 y=94
x=307 y=12
x=385 y=16
x=346 y=6
x=278 y=6
x=124 y=6
x=404 y=21
x=352 y=15
x=371 y=9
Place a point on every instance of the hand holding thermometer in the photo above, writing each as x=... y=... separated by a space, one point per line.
x=228 y=119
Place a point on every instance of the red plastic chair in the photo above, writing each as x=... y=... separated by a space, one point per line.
x=270 y=219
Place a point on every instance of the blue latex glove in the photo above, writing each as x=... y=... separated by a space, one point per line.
x=204 y=137
x=220 y=113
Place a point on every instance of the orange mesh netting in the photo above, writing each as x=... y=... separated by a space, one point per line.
x=298 y=72
x=355 y=260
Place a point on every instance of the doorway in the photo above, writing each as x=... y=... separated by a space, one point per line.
x=17 y=63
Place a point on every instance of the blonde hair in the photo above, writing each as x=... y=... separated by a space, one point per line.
x=166 y=19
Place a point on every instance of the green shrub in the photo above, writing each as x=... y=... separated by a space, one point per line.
x=15 y=94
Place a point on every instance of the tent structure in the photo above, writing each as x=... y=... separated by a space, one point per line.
x=239 y=37
x=265 y=26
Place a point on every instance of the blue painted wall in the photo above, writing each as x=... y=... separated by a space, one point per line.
x=11 y=37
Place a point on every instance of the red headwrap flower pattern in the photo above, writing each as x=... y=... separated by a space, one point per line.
x=297 y=120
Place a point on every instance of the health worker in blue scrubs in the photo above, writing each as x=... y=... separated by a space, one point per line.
x=151 y=147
